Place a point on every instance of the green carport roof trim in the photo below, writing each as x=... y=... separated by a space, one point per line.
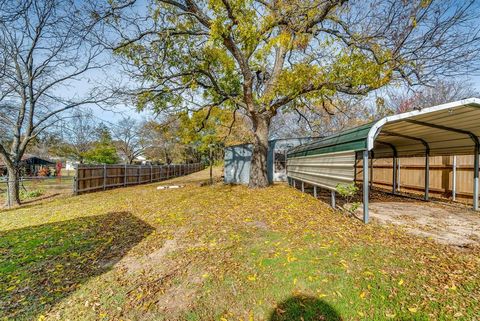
x=351 y=139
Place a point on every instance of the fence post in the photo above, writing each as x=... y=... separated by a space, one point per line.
x=399 y=175
x=75 y=181
x=476 y=161
x=139 y=174
x=454 y=179
x=394 y=175
x=427 y=177
x=104 y=176
x=151 y=173
x=125 y=176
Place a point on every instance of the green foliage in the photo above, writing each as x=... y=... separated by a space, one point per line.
x=213 y=62
x=103 y=151
x=348 y=192
x=215 y=128
x=102 y=154
x=30 y=194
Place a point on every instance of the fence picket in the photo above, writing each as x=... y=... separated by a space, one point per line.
x=88 y=179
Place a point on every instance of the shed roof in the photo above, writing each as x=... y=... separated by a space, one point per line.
x=448 y=129
x=32 y=160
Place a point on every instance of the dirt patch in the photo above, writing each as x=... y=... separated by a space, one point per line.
x=258 y=224
x=444 y=223
x=442 y=220
x=179 y=297
x=163 y=282
x=154 y=259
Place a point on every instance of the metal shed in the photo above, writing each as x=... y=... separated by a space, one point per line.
x=238 y=157
x=443 y=130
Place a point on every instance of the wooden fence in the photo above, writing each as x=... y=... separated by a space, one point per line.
x=445 y=172
x=90 y=178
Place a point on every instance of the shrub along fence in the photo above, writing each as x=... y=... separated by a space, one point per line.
x=90 y=178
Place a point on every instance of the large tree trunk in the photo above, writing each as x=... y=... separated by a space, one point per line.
x=13 y=196
x=258 y=166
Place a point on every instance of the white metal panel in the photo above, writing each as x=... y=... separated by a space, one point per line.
x=324 y=170
x=463 y=114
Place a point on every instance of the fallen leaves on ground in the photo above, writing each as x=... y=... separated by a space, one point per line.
x=213 y=252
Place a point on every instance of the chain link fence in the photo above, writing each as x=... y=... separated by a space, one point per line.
x=34 y=188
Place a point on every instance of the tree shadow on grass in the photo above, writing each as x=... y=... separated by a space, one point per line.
x=40 y=265
x=304 y=308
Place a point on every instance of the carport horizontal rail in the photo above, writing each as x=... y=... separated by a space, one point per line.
x=91 y=178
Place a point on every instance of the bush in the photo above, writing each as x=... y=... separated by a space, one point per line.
x=30 y=194
x=348 y=192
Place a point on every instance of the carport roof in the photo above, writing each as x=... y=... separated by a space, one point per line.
x=448 y=129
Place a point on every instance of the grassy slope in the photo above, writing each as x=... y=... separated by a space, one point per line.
x=225 y=253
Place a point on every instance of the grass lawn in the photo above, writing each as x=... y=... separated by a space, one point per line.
x=222 y=253
x=37 y=189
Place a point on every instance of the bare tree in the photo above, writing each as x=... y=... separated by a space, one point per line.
x=44 y=145
x=129 y=138
x=265 y=55
x=164 y=143
x=308 y=121
x=45 y=48
x=438 y=92
x=78 y=135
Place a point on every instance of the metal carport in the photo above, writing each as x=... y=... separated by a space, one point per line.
x=443 y=130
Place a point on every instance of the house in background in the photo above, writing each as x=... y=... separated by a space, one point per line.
x=30 y=165
x=238 y=157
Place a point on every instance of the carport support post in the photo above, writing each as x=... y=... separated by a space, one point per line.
x=365 y=186
x=303 y=187
x=333 y=199
x=427 y=176
x=315 y=191
x=475 y=178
